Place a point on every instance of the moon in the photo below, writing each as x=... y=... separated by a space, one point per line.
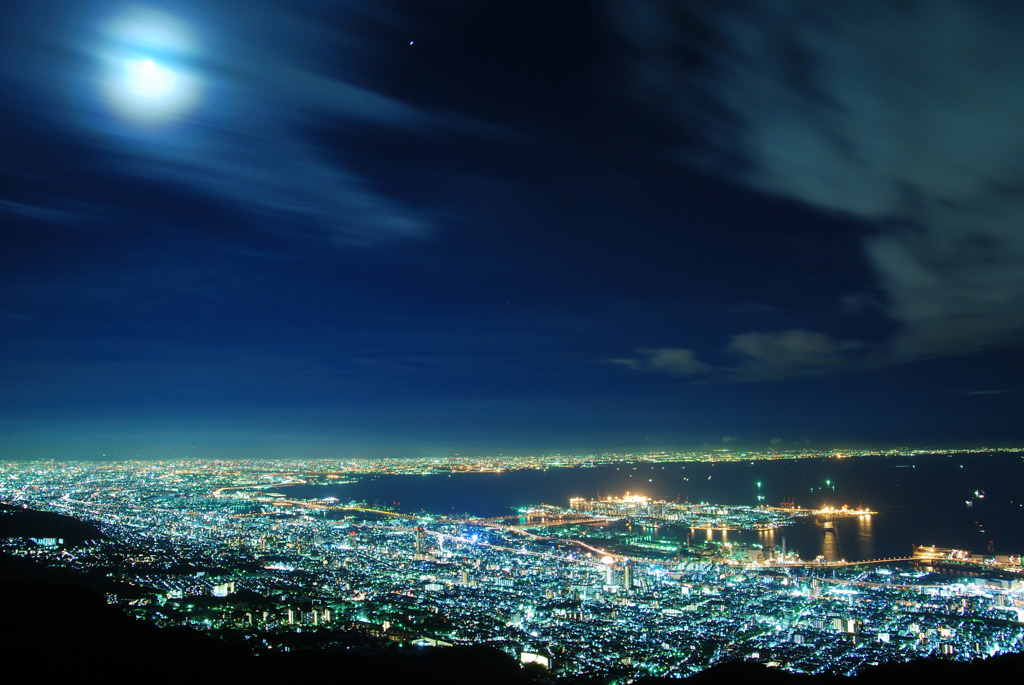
x=149 y=75
x=148 y=80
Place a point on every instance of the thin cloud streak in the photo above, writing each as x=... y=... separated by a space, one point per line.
x=779 y=355
x=762 y=356
x=248 y=141
x=673 y=360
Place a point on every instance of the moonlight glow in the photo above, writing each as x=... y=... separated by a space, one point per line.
x=149 y=75
x=147 y=80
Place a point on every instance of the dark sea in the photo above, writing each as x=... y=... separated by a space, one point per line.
x=973 y=502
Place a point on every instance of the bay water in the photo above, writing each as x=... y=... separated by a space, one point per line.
x=970 y=501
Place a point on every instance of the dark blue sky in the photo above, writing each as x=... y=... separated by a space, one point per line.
x=333 y=229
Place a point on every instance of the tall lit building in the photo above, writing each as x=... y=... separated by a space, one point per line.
x=421 y=543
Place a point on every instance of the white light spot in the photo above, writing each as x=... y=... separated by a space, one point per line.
x=149 y=75
x=147 y=80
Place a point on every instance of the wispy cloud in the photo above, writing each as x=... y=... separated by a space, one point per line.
x=760 y=355
x=672 y=360
x=267 y=81
x=777 y=355
x=37 y=212
x=906 y=115
x=987 y=392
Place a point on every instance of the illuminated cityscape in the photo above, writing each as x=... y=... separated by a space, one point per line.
x=583 y=588
x=593 y=340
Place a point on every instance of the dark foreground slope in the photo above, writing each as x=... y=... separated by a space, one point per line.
x=58 y=626
x=65 y=631
x=16 y=521
x=1005 y=668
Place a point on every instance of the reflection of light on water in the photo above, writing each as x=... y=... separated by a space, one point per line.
x=865 y=538
x=829 y=546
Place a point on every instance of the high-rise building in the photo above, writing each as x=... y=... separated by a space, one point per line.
x=421 y=544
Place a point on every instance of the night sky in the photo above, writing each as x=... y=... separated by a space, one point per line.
x=310 y=228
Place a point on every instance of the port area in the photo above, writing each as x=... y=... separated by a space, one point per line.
x=701 y=515
x=1004 y=565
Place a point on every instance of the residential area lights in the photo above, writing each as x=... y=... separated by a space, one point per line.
x=589 y=589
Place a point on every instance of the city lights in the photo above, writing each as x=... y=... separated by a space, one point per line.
x=584 y=588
